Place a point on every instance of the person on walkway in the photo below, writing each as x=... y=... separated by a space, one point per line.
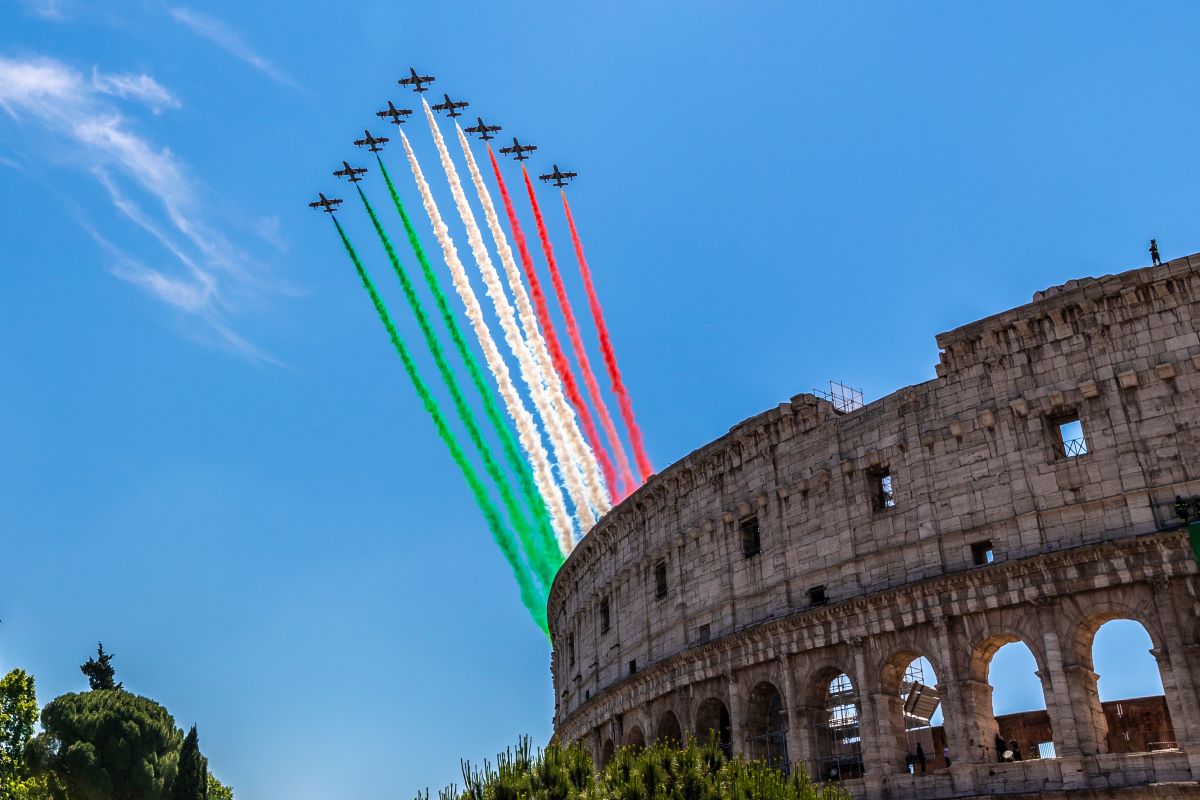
x=1154 y=252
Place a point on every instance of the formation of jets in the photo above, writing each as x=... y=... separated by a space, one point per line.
x=560 y=178
x=398 y=116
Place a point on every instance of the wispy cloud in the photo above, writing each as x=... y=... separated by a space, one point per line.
x=141 y=88
x=54 y=10
x=212 y=276
x=219 y=33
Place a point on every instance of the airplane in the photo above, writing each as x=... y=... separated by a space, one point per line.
x=394 y=113
x=325 y=204
x=560 y=178
x=350 y=172
x=416 y=80
x=373 y=141
x=518 y=150
x=483 y=130
x=451 y=106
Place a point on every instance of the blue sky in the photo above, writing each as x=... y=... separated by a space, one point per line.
x=211 y=459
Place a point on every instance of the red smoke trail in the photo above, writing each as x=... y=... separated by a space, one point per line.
x=610 y=355
x=589 y=378
x=561 y=365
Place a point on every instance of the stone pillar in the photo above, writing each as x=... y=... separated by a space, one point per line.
x=961 y=718
x=1059 y=697
x=798 y=753
x=737 y=717
x=1179 y=672
x=874 y=750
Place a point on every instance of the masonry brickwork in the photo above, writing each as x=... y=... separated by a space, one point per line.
x=944 y=520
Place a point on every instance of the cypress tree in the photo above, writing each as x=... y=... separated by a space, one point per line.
x=99 y=671
x=191 y=782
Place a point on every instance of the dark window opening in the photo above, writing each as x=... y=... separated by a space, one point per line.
x=751 y=542
x=604 y=615
x=703 y=634
x=882 y=495
x=816 y=596
x=570 y=649
x=981 y=552
x=587 y=694
x=1069 y=440
x=660 y=579
x=633 y=666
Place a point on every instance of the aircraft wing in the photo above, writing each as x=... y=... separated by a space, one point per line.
x=569 y=175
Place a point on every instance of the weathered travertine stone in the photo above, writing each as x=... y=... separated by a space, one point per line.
x=788 y=563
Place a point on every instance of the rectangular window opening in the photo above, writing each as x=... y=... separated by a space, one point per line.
x=633 y=666
x=1070 y=441
x=751 y=536
x=882 y=495
x=817 y=597
x=981 y=553
x=604 y=616
x=660 y=579
x=570 y=649
x=704 y=633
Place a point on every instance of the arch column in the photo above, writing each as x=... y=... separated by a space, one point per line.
x=797 y=753
x=1057 y=690
x=874 y=750
x=961 y=717
x=737 y=718
x=1178 y=674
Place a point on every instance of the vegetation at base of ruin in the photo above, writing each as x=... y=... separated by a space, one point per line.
x=102 y=744
x=663 y=771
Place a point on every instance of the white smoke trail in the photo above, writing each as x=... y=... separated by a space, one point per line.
x=591 y=493
x=527 y=432
x=582 y=451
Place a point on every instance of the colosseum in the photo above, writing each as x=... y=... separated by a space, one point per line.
x=826 y=586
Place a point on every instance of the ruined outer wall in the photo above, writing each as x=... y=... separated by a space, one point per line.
x=972 y=458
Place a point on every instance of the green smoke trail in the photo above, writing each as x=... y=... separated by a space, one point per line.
x=504 y=540
x=551 y=553
x=533 y=551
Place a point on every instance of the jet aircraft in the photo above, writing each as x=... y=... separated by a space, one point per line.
x=414 y=80
x=483 y=130
x=350 y=172
x=325 y=204
x=560 y=178
x=372 y=141
x=396 y=114
x=451 y=106
x=518 y=150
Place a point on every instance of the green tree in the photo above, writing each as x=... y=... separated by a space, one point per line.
x=106 y=745
x=191 y=781
x=18 y=713
x=218 y=790
x=99 y=671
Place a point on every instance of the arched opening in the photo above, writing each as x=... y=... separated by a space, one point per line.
x=914 y=709
x=766 y=726
x=634 y=737
x=1021 y=728
x=1133 y=704
x=838 y=740
x=606 y=753
x=668 y=729
x=712 y=720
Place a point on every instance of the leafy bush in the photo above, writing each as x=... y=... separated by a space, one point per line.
x=660 y=772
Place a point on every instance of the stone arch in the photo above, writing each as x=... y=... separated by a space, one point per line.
x=829 y=720
x=1033 y=729
x=668 y=729
x=766 y=725
x=635 y=737
x=909 y=707
x=606 y=752
x=712 y=718
x=1118 y=726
